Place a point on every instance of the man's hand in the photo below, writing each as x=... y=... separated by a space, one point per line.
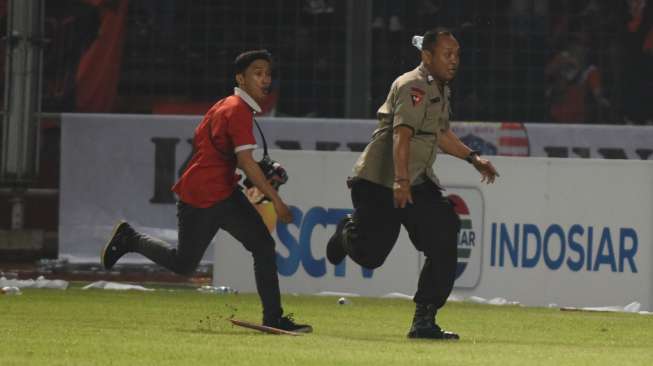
x=402 y=194
x=451 y=144
x=283 y=212
x=487 y=170
x=253 y=171
x=254 y=195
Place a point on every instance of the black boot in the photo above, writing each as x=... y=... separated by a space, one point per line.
x=424 y=324
x=335 y=247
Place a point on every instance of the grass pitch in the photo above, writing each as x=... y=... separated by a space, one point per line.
x=184 y=327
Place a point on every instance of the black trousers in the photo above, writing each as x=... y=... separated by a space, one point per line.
x=198 y=226
x=432 y=226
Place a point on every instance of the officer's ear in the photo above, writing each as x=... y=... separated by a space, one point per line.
x=427 y=57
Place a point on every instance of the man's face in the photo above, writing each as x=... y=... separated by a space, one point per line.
x=442 y=61
x=256 y=80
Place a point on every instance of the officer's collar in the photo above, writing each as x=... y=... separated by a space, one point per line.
x=247 y=99
x=429 y=78
x=425 y=73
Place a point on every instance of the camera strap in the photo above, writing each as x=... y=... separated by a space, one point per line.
x=265 y=144
x=231 y=156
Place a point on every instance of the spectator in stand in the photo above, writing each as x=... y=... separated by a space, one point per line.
x=72 y=26
x=638 y=63
x=3 y=26
x=99 y=68
x=571 y=78
x=387 y=14
x=315 y=7
x=528 y=17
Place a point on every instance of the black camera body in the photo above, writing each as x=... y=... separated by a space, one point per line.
x=273 y=172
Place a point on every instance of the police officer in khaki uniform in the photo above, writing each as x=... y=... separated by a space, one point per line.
x=394 y=183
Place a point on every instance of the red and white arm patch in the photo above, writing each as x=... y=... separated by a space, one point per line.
x=416 y=95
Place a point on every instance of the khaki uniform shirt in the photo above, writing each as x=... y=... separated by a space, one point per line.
x=421 y=103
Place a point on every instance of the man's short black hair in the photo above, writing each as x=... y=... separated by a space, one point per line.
x=246 y=58
x=431 y=37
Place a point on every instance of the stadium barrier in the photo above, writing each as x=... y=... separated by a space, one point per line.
x=568 y=231
x=565 y=231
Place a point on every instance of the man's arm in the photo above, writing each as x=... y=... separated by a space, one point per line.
x=401 y=156
x=263 y=207
x=451 y=144
x=248 y=165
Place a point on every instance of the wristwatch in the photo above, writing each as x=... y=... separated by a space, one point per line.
x=471 y=155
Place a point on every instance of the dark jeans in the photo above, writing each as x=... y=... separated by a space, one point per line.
x=198 y=226
x=432 y=226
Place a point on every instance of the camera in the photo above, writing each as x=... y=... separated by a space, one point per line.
x=273 y=172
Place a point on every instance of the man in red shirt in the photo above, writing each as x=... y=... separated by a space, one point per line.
x=209 y=197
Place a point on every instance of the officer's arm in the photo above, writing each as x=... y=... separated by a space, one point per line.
x=401 y=153
x=247 y=164
x=451 y=144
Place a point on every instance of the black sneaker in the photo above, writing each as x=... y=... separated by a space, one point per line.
x=117 y=246
x=335 y=251
x=288 y=323
x=431 y=332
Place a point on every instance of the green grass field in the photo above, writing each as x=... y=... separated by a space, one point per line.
x=185 y=327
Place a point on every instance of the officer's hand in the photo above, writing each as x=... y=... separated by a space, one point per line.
x=402 y=194
x=487 y=170
x=283 y=212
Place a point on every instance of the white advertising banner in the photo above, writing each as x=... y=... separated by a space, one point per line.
x=591 y=141
x=319 y=198
x=574 y=232
x=492 y=138
x=567 y=231
x=116 y=167
x=317 y=192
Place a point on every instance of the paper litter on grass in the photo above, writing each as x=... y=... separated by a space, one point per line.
x=497 y=301
x=634 y=307
x=455 y=298
x=106 y=285
x=40 y=282
x=397 y=295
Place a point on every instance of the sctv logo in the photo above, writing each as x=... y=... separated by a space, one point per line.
x=300 y=247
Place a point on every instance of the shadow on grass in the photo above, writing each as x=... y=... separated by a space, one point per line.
x=231 y=331
x=398 y=338
x=217 y=331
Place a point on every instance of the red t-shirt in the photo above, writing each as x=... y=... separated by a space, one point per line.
x=210 y=176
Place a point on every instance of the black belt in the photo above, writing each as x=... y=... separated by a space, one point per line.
x=420 y=132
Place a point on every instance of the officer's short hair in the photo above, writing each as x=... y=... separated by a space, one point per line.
x=431 y=37
x=242 y=61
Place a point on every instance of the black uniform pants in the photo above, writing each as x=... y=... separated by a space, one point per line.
x=198 y=226
x=432 y=226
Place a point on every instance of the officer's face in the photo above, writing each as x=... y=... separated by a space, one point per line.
x=442 y=61
x=256 y=80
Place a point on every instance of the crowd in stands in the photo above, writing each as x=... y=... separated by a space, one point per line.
x=567 y=61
